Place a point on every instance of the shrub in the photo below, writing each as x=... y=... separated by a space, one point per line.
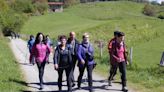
x=149 y=10
x=41 y=7
x=161 y=15
x=25 y=6
x=11 y=21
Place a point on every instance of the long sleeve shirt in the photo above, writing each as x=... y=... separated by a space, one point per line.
x=40 y=51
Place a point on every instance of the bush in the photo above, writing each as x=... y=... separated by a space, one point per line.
x=25 y=6
x=149 y=10
x=11 y=21
x=161 y=15
x=41 y=7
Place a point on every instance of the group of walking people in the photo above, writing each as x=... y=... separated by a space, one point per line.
x=70 y=51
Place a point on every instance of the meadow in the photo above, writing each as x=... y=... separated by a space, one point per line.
x=143 y=33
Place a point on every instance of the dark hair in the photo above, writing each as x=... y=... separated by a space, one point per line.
x=37 y=38
x=47 y=36
x=62 y=37
x=31 y=36
x=116 y=33
x=120 y=34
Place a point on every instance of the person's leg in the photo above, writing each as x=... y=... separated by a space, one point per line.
x=115 y=72
x=113 y=69
x=81 y=72
x=74 y=59
x=60 y=75
x=69 y=78
x=89 y=70
x=42 y=71
x=122 y=68
x=39 y=70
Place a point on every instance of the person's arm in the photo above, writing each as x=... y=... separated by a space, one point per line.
x=33 y=52
x=55 y=58
x=90 y=50
x=70 y=57
x=113 y=52
x=80 y=55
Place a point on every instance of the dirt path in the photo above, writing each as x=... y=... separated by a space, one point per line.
x=30 y=72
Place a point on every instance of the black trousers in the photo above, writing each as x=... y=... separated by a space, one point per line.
x=122 y=69
x=41 y=70
x=89 y=72
x=68 y=75
x=113 y=71
x=74 y=59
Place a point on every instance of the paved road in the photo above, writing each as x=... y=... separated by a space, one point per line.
x=30 y=72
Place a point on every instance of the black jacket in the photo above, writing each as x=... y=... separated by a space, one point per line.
x=76 y=46
x=60 y=55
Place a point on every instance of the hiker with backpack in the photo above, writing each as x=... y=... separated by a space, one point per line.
x=63 y=62
x=119 y=56
x=39 y=52
x=30 y=44
x=73 y=45
x=50 y=44
x=113 y=66
x=48 y=41
x=86 y=60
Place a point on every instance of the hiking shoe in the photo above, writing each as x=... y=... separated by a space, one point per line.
x=125 y=89
x=41 y=87
x=109 y=83
x=79 y=88
x=73 y=85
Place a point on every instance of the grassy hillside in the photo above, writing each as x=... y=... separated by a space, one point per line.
x=100 y=20
x=11 y=79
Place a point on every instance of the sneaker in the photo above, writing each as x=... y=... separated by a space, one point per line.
x=109 y=83
x=125 y=89
x=79 y=87
x=73 y=84
x=91 y=90
x=41 y=87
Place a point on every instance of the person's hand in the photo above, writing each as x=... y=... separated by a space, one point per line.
x=119 y=60
x=127 y=63
x=83 y=62
x=56 y=66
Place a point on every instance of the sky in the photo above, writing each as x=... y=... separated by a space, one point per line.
x=159 y=1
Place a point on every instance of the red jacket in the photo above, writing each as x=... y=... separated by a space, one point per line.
x=110 y=44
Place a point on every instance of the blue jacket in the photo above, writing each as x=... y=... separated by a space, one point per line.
x=30 y=44
x=86 y=54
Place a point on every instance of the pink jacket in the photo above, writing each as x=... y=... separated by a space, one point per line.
x=40 y=52
x=118 y=53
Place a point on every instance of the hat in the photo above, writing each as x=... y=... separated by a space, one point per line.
x=116 y=33
x=120 y=34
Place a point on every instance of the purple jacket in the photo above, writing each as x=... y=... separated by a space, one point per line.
x=82 y=54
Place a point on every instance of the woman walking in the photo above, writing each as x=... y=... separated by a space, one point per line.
x=39 y=51
x=63 y=62
x=119 y=56
x=85 y=54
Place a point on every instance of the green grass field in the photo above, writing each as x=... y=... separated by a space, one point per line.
x=143 y=33
x=11 y=79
